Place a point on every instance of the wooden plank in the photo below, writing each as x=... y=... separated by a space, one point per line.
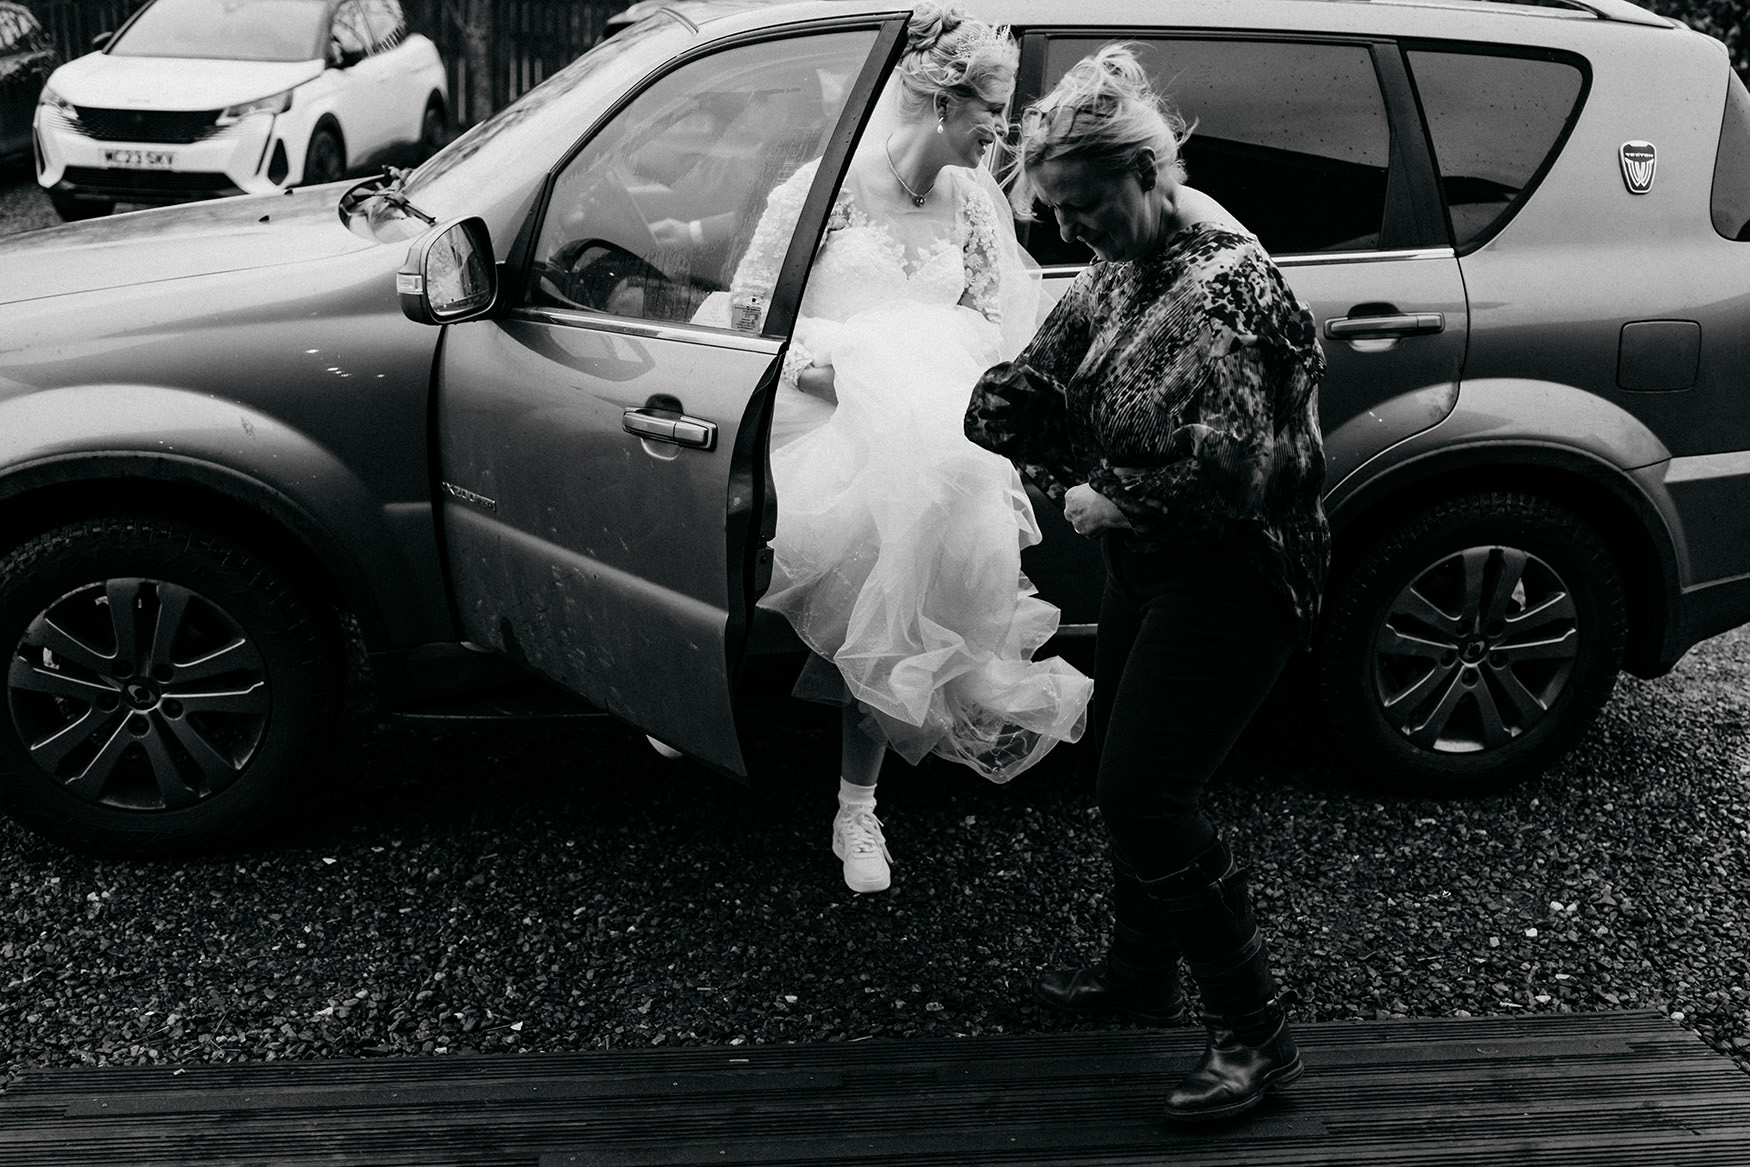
x=1580 y=1090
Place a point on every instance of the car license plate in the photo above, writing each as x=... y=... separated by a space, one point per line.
x=140 y=159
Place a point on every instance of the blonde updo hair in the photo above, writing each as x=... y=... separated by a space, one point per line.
x=1102 y=114
x=947 y=53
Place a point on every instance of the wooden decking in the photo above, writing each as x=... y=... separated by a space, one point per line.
x=1578 y=1090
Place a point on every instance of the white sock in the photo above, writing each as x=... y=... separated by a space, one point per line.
x=851 y=794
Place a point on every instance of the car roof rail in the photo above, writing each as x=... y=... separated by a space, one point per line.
x=1620 y=11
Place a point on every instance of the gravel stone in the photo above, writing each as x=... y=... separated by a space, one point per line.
x=497 y=889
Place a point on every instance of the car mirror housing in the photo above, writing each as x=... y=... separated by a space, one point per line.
x=449 y=275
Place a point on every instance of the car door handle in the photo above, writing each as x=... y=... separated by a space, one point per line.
x=1393 y=324
x=679 y=429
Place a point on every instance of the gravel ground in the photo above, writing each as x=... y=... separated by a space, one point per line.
x=492 y=889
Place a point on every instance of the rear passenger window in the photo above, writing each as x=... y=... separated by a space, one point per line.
x=1292 y=138
x=1731 y=200
x=1495 y=123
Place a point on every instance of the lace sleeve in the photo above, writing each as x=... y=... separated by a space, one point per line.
x=756 y=276
x=757 y=273
x=983 y=258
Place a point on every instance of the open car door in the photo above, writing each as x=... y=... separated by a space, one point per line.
x=602 y=443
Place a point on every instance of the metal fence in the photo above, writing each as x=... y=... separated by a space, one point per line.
x=530 y=39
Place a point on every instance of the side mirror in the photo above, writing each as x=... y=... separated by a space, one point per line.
x=449 y=275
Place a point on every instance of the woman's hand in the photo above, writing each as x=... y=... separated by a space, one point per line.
x=1089 y=512
x=817 y=381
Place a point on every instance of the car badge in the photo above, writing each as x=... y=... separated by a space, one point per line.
x=1638 y=163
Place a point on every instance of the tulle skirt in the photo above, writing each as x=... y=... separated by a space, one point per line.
x=898 y=550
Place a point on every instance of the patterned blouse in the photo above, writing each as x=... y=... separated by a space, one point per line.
x=1183 y=386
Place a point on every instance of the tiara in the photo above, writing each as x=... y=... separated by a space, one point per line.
x=979 y=36
x=982 y=36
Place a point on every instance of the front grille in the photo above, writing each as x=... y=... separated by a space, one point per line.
x=147 y=125
x=154 y=186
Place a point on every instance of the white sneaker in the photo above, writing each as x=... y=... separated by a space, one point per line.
x=857 y=839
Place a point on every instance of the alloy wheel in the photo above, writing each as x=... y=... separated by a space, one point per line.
x=138 y=694
x=1476 y=650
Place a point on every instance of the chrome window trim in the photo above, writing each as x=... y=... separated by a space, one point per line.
x=1303 y=259
x=1307 y=259
x=685 y=333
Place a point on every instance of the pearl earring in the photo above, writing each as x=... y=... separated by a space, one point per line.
x=941 y=125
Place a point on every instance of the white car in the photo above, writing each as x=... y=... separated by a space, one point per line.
x=195 y=99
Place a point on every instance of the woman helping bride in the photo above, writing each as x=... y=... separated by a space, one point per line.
x=897 y=557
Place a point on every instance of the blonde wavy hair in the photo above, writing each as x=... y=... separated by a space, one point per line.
x=948 y=53
x=1103 y=114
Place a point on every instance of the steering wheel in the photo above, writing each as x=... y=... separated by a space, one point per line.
x=601 y=275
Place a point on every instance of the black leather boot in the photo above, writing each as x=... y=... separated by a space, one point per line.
x=1234 y=1075
x=1139 y=976
x=1250 y=1052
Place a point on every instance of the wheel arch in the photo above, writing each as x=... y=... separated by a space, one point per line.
x=1630 y=523
x=49 y=494
x=327 y=121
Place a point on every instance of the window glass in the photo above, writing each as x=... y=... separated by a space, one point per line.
x=351 y=31
x=1731 y=198
x=388 y=24
x=1291 y=138
x=653 y=215
x=271 y=30
x=1493 y=121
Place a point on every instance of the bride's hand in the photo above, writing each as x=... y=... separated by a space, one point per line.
x=1089 y=512
x=817 y=381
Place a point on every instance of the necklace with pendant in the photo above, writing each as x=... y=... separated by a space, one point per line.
x=917 y=200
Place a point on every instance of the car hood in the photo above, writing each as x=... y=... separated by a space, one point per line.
x=172 y=243
x=174 y=83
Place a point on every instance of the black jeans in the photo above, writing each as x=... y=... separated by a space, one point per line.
x=1190 y=642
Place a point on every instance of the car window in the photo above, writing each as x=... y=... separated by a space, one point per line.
x=270 y=30
x=388 y=23
x=1494 y=122
x=352 y=31
x=651 y=218
x=1292 y=138
x=1731 y=194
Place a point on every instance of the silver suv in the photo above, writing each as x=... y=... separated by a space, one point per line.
x=478 y=422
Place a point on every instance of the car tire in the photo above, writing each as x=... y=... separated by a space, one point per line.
x=432 y=130
x=325 y=158
x=1471 y=645
x=73 y=210
x=198 y=737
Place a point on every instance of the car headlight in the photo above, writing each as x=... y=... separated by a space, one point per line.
x=278 y=103
x=55 y=100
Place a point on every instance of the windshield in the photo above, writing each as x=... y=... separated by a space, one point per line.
x=228 y=30
x=531 y=135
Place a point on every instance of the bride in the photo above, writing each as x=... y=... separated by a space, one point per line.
x=897 y=557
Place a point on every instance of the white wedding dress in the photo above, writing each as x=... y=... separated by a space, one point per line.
x=898 y=548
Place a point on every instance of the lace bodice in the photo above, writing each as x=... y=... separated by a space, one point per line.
x=867 y=262
x=862 y=265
